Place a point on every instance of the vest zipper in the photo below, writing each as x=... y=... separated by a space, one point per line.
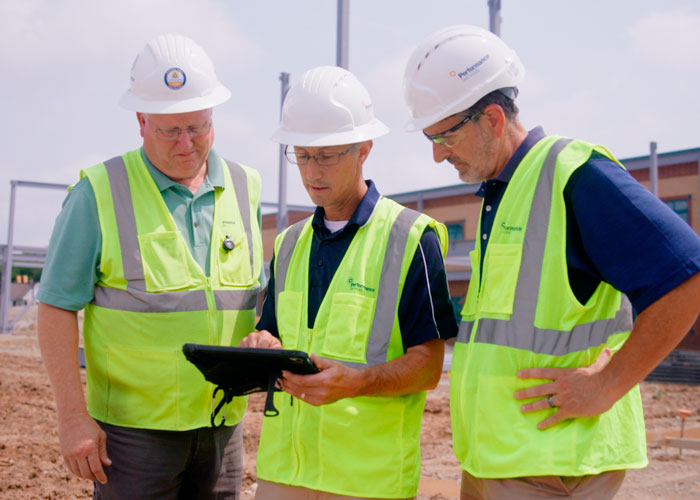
x=295 y=432
x=309 y=339
x=298 y=409
x=211 y=310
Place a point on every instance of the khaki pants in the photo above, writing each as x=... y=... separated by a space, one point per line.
x=276 y=491
x=599 y=487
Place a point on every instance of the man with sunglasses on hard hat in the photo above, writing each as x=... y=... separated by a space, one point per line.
x=361 y=286
x=161 y=246
x=544 y=394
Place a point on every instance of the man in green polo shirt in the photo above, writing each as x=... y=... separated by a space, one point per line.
x=160 y=246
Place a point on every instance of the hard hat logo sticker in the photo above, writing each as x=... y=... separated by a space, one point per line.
x=175 y=78
x=470 y=70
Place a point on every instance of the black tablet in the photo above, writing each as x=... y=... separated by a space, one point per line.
x=244 y=370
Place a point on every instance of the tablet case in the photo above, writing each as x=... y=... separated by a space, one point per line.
x=237 y=371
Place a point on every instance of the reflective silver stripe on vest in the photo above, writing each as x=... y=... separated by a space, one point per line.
x=126 y=223
x=239 y=300
x=388 y=290
x=140 y=301
x=465 y=331
x=240 y=186
x=284 y=256
x=528 y=284
x=520 y=331
x=556 y=342
x=191 y=300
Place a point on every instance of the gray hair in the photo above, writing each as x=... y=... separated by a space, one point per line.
x=505 y=98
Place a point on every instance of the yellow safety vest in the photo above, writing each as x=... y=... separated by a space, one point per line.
x=364 y=446
x=522 y=313
x=152 y=297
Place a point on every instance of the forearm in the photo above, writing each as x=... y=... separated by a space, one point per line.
x=417 y=370
x=58 y=341
x=656 y=332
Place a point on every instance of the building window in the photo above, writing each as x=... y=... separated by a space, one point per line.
x=455 y=230
x=681 y=206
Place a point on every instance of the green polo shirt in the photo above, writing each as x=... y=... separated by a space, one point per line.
x=72 y=262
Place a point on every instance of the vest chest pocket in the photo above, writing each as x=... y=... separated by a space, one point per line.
x=347 y=332
x=234 y=264
x=164 y=259
x=289 y=309
x=500 y=277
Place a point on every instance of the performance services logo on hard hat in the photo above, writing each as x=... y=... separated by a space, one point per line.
x=470 y=69
x=175 y=78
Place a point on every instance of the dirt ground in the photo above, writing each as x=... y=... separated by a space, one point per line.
x=32 y=468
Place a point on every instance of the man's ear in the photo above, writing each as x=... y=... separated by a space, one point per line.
x=495 y=118
x=364 y=148
x=142 y=123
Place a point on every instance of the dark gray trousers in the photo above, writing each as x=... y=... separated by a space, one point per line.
x=200 y=464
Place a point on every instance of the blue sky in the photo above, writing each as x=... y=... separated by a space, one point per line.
x=618 y=73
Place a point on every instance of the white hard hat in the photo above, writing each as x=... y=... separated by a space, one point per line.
x=452 y=69
x=172 y=74
x=328 y=106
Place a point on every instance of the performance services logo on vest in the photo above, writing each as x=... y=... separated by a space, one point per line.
x=355 y=284
x=510 y=228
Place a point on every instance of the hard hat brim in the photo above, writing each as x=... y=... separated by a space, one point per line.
x=362 y=133
x=219 y=95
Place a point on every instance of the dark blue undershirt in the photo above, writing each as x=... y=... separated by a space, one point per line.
x=617 y=230
x=420 y=294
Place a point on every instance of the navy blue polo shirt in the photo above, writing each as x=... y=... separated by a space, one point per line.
x=617 y=230
x=425 y=311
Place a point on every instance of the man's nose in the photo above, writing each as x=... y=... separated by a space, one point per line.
x=440 y=152
x=184 y=139
x=313 y=171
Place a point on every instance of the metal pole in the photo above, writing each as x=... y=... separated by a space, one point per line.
x=341 y=58
x=7 y=268
x=282 y=190
x=495 y=16
x=654 y=169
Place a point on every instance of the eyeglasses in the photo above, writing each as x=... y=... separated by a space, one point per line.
x=453 y=140
x=173 y=134
x=323 y=158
